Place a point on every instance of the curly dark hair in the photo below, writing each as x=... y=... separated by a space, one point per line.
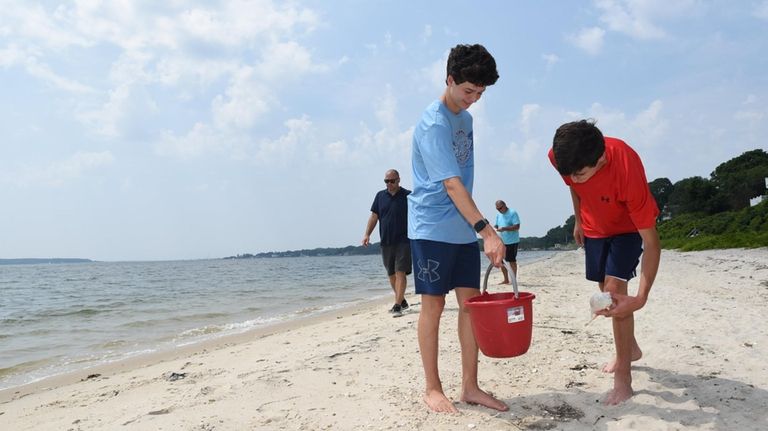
x=577 y=145
x=472 y=63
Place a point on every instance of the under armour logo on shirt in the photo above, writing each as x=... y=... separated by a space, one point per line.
x=430 y=270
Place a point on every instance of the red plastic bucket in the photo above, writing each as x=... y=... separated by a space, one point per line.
x=502 y=322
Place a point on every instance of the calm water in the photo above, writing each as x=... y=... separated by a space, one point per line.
x=65 y=317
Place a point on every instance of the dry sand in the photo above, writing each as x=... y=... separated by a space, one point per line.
x=703 y=332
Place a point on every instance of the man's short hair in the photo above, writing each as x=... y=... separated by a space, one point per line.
x=577 y=145
x=472 y=63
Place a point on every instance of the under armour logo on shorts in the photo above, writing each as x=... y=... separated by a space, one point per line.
x=430 y=270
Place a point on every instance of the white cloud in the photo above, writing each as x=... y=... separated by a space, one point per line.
x=528 y=112
x=188 y=50
x=244 y=101
x=638 y=18
x=522 y=155
x=336 y=151
x=56 y=174
x=589 y=40
x=13 y=55
x=285 y=61
x=281 y=150
x=648 y=128
x=434 y=74
x=551 y=60
x=201 y=139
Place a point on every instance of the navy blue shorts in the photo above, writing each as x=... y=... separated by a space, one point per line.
x=439 y=267
x=616 y=256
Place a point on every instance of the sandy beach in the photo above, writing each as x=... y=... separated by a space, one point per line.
x=703 y=334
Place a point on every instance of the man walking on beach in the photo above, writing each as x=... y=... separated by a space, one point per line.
x=616 y=223
x=443 y=221
x=508 y=226
x=390 y=207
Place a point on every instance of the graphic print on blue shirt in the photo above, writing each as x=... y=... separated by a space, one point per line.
x=462 y=147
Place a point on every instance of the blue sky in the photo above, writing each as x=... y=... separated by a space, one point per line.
x=141 y=130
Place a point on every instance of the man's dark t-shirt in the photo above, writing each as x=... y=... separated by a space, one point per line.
x=393 y=216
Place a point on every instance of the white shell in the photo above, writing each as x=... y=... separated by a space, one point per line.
x=600 y=301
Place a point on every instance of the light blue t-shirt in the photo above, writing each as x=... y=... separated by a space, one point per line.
x=509 y=218
x=442 y=148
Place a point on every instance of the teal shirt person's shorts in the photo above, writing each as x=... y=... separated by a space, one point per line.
x=616 y=256
x=439 y=267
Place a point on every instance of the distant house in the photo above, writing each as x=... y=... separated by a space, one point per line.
x=756 y=200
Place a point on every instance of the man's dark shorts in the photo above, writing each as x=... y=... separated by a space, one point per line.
x=511 y=254
x=616 y=256
x=397 y=258
x=439 y=267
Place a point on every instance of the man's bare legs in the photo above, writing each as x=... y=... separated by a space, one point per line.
x=627 y=349
x=429 y=324
x=470 y=391
x=506 y=275
x=513 y=265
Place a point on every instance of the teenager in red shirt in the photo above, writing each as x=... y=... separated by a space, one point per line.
x=616 y=223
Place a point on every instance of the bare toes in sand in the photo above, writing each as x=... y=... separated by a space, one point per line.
x=438 y=402
x=618 y=396
x=484 y=399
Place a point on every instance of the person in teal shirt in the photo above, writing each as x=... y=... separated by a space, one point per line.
x=508 y=226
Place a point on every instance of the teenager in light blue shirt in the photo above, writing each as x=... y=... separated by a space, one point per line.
x=443 y=221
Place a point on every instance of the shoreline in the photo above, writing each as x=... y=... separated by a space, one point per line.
x=703 y=366
x=47 y=369
x=169 y=354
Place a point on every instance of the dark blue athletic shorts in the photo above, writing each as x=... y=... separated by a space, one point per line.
x=439 y=267
x=616 y=256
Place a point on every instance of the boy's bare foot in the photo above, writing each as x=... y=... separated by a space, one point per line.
x=504 y=282
x=611 y=366
x=438 y=402
x=484 y=399
x=618 y=395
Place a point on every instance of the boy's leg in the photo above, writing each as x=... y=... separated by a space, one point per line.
x=610 y=367
x=428 y=330
x=432 y=262
x=627 y=349
x=470 y=391
x=612 y=262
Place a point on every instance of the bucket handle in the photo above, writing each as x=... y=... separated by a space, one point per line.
x=511 y=274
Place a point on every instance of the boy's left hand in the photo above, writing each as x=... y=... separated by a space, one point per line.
x=623 y=306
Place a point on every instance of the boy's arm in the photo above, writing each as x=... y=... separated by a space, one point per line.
x=650 y=261
x=492 y=245
x=578 y=232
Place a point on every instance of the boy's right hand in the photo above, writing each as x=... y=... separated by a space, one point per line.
x=578 y=234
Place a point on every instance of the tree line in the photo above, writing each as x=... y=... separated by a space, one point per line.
x=695 y=213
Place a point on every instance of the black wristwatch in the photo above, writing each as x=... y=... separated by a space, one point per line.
x=481 y=225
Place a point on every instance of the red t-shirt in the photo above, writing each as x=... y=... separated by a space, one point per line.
x=616 y=199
